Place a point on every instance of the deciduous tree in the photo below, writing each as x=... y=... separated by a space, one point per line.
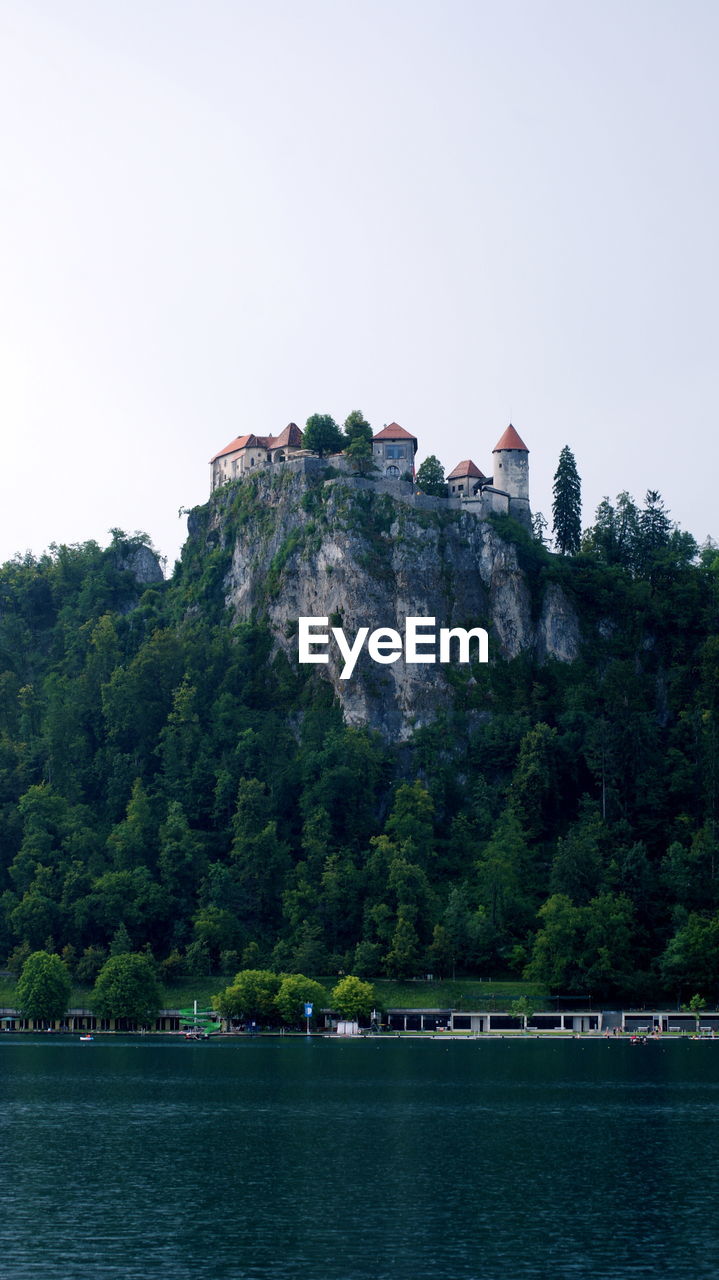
x=127 y=987
x=430 y=477
x=294 y=993
x=44 y=986
x=251 y=996
x=352 y=998
x=322 y=435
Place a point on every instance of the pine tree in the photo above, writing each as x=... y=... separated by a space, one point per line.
x=567 y=505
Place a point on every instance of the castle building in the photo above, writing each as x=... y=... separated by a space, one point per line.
x=511 y=469
x=465 y=478
x=246 y=452
x=506 y=492
x=393 y=451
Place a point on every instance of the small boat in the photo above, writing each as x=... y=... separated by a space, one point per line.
x=87 y=1037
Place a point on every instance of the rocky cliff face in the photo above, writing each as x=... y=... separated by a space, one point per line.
x=363 y=552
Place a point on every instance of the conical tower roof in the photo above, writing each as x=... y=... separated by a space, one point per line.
x=510 y=440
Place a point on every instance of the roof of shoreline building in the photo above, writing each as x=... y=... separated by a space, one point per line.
x=510 y=440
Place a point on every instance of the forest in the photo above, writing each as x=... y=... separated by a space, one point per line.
x=169 y=784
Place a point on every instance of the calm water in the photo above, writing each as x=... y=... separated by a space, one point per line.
x=320 y=1160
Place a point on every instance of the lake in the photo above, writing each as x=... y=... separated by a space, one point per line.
x=358 y=1160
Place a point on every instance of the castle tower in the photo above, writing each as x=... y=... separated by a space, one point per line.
x=511 y=464
x=511 y=473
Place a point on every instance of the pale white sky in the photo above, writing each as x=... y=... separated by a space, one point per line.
x=218 y=216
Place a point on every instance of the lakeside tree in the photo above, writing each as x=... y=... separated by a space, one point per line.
x=250 y=996
x=294 y=993
x=430 y=477
x=567 y=505
x=43 y=989
x=523 y=1008
x=352 y=998
x=322 y=435
x=126 y=987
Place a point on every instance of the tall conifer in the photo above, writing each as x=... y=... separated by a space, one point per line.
x=567 y=505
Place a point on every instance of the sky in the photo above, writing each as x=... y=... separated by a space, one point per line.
x=220 y=216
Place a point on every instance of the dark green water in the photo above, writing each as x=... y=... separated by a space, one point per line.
x=322 y=1160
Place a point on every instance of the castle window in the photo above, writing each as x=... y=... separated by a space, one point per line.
x=395 y=451
x=392 y=471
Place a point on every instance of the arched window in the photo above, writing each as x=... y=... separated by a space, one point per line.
x=392 y=471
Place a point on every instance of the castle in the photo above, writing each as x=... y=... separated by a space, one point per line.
x=505 y=492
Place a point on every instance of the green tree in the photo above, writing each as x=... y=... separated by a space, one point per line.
x=352 y=998
x=697 y=1004
x=295 y=991
x=430 y=477
x=357 y=427
x=250 y=996
x=577 y=863
x=691 y=957
x=127 y=987
x=410 y=823
x=556 y=952
x=129 y=843
x=522 y=1008
x=121 y=942
x=322 y=435
x=655 y=525
x=402 y=959
x=359 y=451
x=90 y=964
x=614 y=535
x=43 y=988
x=503 y=875
x=567 y=505
x=534 y=790
x=585 y=949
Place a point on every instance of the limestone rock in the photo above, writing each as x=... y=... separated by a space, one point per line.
x=371 y=553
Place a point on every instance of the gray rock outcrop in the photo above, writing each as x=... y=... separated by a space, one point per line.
x=367 y=553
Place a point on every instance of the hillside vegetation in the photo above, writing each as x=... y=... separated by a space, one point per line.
x=170 y=782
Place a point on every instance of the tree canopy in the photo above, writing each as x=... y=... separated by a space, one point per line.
x=430 y=477
x=352 y=998
x=322 y=435
x=170 y=784
x=126 y=987
x=44 y=986
x=250 y=996
x=295 y=991
x=357 y=427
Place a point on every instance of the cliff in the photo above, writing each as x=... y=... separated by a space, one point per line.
x=305 y=540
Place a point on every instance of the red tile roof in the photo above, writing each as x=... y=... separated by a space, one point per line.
x=510 y=440
x=291 y=437
x=467 y=468
x=240 y=442
x=394 y=432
